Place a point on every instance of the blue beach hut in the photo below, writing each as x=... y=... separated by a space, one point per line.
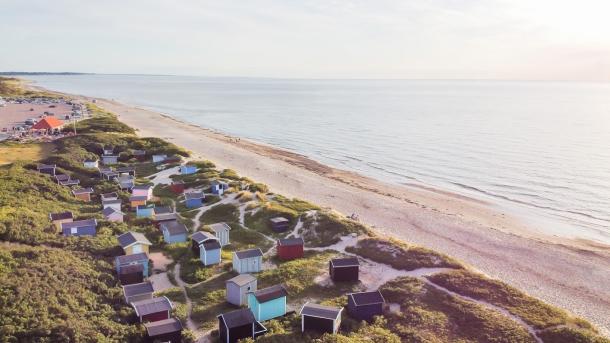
x=123 y=261
x=268 y=303
x=193 y=199
x=79 y=228
x=174 y=232
x=145 y=211
x=208 y=247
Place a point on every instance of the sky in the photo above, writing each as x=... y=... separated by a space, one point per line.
x=410 y=39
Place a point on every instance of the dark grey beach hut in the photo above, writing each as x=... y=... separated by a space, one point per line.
x=344 y=269
x=365 y=305
x=279 y=224
x=319 y=318
x=167 y=330
x=238 y=324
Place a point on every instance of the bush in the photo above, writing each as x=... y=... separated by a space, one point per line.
x=258 y=187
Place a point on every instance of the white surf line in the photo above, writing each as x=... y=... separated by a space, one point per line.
x=505 y=312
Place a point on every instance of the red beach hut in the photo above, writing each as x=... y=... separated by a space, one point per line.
x=290 y=248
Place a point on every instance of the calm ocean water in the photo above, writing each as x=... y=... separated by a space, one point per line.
x=540 y=147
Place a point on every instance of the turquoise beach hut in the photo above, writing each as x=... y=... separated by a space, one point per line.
x=145 y=211
x=268 y=303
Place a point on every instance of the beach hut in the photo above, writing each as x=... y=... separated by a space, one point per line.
x=127 y=170
x=109 y=174
x=207 y=246
x=174 y=232
x=83 y=194
x=145 y=211
x=107 y=150
x=320 y=319
x=218 y=187
x=158 y=158
x=279 y=224
x=193 y=199
x=135 y=201
x=344 y=269
x=290 y=248
x=91 y=163
x=140 y=259
x=109 y=196
x=47 y=169
x=365 y=305
x=166 y=330
x=134 y=243
x=61 y=177
x=152 y=310
x=237 y=289
x=164 y=218
x=173 y=159
x=188 y=169
x=138 y=291
x=239 y=324
x=115 y=204
x=248 y=261
x=177 y=187
x=268 y=303
x=111 y=214
x=85 y=227
x=125 y=181
x=110 y=159
x=221 y=231
x=142 y=190
x=61 y=217
x=140 y=155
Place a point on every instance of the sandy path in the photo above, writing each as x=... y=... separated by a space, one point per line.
x=573 y=278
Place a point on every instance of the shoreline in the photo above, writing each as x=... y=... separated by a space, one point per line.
x=469 y=229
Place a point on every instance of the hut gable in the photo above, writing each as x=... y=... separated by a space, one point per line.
x=174 y=232
x=134 y=242
x=112 y=214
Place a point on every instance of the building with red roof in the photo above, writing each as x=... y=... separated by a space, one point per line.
x=48 y=123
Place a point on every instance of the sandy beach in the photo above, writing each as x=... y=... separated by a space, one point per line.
x=572 y=274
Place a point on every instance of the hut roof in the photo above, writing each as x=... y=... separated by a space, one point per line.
x=138 y=198
x=108 y=211
x=238 y=318
x=279 y=220
x=154 y=305
x=141 y=187
x=174 y=228
x=345 y=262
x=46 y=166
x=290 y=241
x=79 y=223
x=193 y=195
x=138 y=288
x=201 y=237
x=162 y=327
x=163 y=210
x=165 y=217
x=242 y=279
x=132 y=269
x=129 y=238
x=321 y=311
x=270 y=293
x=132 y=258
x=367 y=298
x=87 y=190
x=212 y=244
x=61 y=215
x=218 y=227
x=256 y=252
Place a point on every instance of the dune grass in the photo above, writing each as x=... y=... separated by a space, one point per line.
x=533 y=311
x=401 y=255
x=13 y=152
x=327 y=227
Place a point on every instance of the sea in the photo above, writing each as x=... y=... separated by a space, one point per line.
x=539 y=148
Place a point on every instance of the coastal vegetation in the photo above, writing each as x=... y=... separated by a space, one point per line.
x=64 y=289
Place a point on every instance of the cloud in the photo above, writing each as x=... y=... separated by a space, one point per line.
x=310 y=38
